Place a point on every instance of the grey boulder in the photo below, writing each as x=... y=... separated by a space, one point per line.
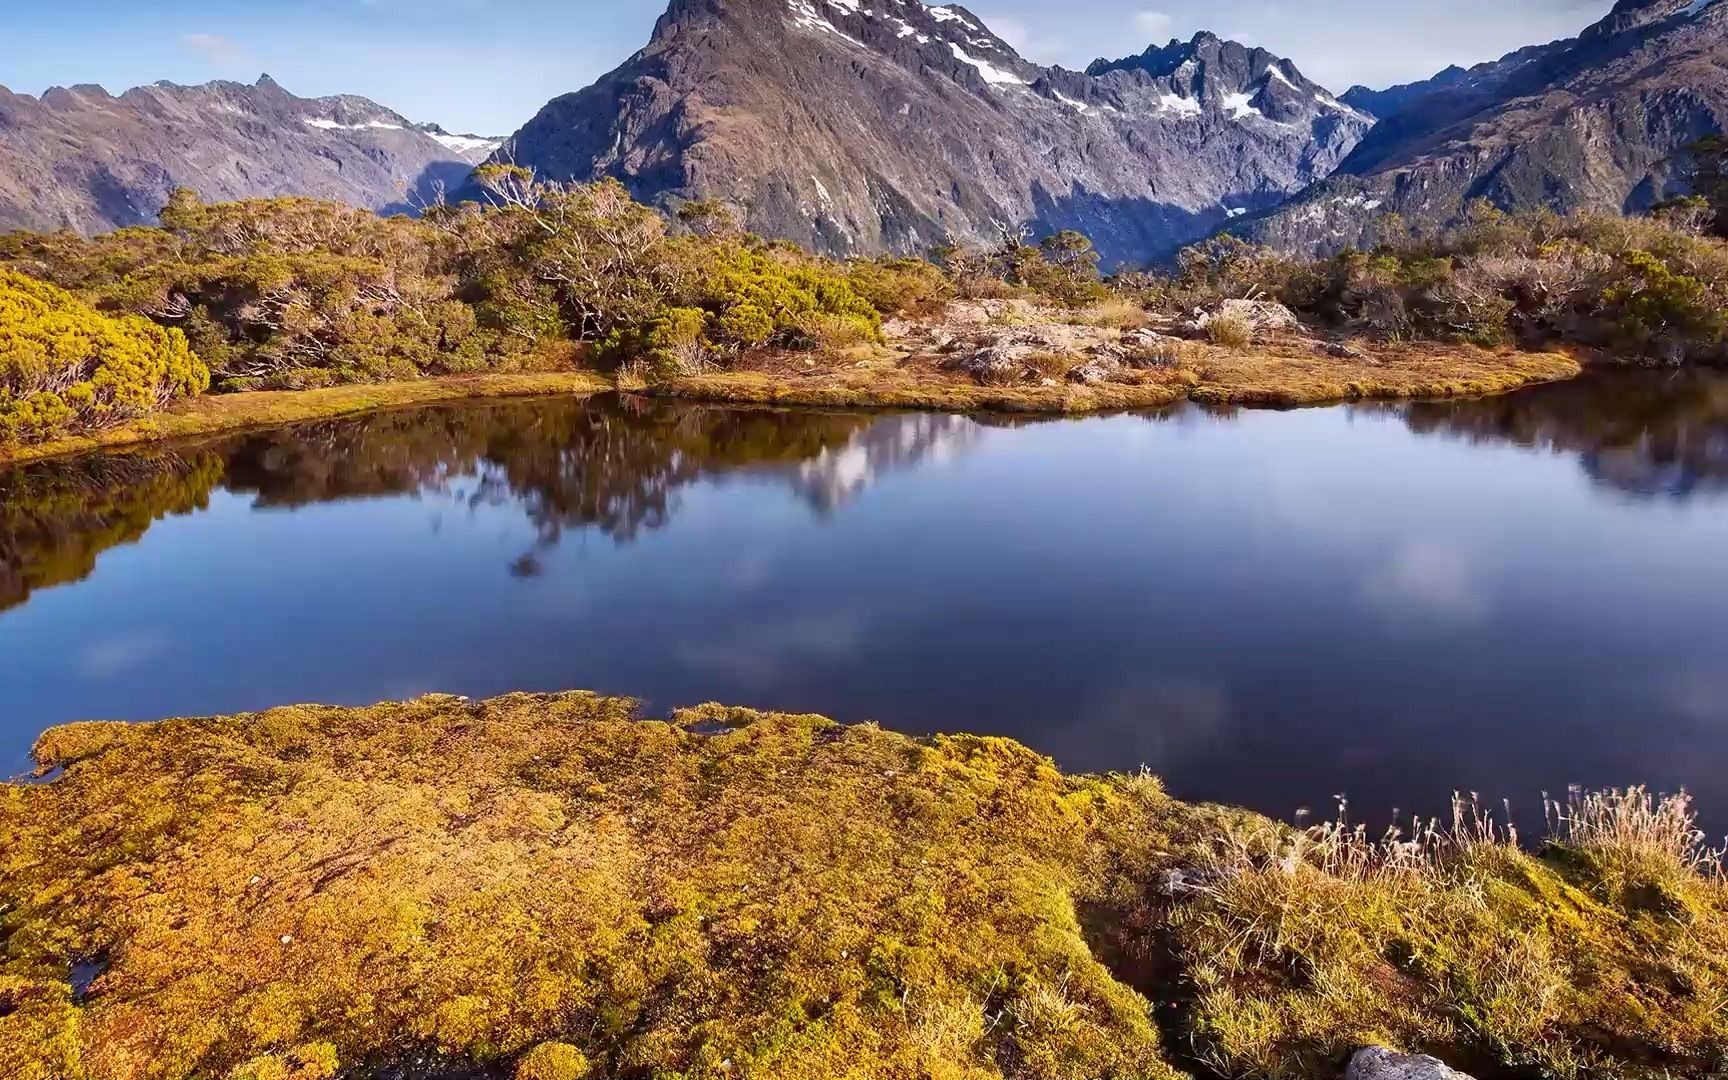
x=1379 y=1063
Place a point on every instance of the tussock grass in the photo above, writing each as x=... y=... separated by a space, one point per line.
x=1116 y=314
x=1229 y=331
x=546 y=886
x=1602 y=955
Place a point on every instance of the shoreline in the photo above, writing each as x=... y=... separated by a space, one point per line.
x=227 y=414
x=1262 y=379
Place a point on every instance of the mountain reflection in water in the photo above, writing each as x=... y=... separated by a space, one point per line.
x=610 y=465
x=1644 y=433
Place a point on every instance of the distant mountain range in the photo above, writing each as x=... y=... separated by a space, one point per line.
x=1588 y=123
x=83 y=159
x=895 y=126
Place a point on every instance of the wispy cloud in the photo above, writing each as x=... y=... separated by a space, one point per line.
x=1153 y=26
x=215 y=49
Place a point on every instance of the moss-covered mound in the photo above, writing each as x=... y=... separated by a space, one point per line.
x=285 y=894
x=546 y=887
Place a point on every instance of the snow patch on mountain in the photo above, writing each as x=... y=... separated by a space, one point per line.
x=370 y=125
x=466 y=144
x=988 y=71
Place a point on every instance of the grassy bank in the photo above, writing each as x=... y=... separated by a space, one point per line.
x=1269 y=375
x=547 y=887
x=226 y=413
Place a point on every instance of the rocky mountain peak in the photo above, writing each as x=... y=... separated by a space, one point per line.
x=868 y=125
x=1630 y=15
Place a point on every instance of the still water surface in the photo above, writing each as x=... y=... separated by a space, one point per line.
x=1267 y=608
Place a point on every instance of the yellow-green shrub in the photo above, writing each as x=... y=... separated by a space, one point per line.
x=898 y=285
x=65 y=367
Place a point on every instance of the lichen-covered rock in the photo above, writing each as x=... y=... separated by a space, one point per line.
x=1093 y=371
x=1379 y=1063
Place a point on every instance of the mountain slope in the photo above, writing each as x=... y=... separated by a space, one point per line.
x=83 y=159
x=1590 y=123
x=896 y=126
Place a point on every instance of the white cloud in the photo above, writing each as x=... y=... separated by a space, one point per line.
x=1153 y=26
x=215 y=49
x=1023 y=40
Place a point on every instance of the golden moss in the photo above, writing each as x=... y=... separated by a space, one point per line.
x=787 y=898
x=547 y=886
x=553 y=1061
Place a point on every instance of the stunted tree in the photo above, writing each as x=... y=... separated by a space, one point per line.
x=581 y=252
x=710 y=218
x=1709 y=177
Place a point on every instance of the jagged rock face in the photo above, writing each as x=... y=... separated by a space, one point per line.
x=83 y=159
x=858 y=126
x=1589 y=123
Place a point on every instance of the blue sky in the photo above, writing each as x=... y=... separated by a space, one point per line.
x=487 y=65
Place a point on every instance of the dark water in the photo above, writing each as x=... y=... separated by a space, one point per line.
x=1267 y=608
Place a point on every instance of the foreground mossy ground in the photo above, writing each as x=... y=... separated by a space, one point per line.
x=547 y=886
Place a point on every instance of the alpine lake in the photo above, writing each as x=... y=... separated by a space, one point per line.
x=1388 y=603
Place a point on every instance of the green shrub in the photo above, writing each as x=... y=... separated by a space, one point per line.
x=1662 y=314
x=66 y=368
x=744 y=323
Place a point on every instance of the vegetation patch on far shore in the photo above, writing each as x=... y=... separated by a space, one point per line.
x=547 y=886
x=297 y=294
x=1278 y=375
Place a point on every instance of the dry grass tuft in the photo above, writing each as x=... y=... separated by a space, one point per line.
x=1229 y=331
x=1113 y=315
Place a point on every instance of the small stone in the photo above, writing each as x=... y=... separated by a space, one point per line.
x=1379 y=1063
x=1091 y=373
x=287 y=939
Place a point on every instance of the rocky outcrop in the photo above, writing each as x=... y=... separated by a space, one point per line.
x=83 y=159
x=853 y=128
x=1591 y=123
x=1378 y=1063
